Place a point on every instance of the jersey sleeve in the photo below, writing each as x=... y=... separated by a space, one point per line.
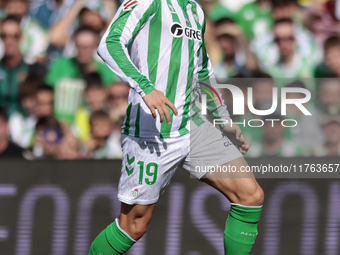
x=113 y=48
x=215 y=102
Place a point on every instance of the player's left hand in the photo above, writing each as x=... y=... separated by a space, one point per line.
x=235 y=135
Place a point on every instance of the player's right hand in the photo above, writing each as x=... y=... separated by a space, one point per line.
x=156 y=100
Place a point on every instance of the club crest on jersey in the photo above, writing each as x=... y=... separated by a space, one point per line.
x=177 y=31
x=195 y=15
x=129 y=4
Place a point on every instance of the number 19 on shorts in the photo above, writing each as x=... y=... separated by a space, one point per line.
x=150 y=172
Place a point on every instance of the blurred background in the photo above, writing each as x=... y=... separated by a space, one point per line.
x=59 y=101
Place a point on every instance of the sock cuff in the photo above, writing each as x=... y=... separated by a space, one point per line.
x=248 y=206
x=122 y=230
x=249 y=214
x=119 y=240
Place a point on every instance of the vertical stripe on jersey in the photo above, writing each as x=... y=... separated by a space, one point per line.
x=185 y=117
x=154 y=46
x=192 y=68
x=174 y=68
x=127 y=120
x=164 y=55
x=140 y=50
x=137 y=122
x=181 y=94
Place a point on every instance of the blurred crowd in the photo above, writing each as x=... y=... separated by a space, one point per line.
x=58 y=100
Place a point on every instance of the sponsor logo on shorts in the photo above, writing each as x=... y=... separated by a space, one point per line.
x=129 y=4
x=228 y=142
x=177 y=31
x=135 y=193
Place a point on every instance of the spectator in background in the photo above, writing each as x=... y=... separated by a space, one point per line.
x=329 y=96
x=255 y=18
x=48 y=137
x=262 y=85
x=83 y=63
x=69 y=148
x=242 y=83
x=7 y=148
x=274 y=141
x=321 y=20
x=215 y=10
x=331 y=64
x=34 y=38
x=290 y=63
x=308 y=131
x=237 y=57
x=105 y=138
x=22 y=123
x=48 y=12
x=95 y=94
x=67 y=74
x=266 y=49
x=331 y=129
x=118 y=94
x=13 y=68
x=92 y=14
x=287 y=9
x=44 y=101
x=95 y=98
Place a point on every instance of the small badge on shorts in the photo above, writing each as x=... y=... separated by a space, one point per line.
x=135 y=193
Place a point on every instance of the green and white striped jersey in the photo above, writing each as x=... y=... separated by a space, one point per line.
x=159 y=44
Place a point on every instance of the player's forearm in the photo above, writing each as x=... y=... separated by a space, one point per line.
x=116 y=57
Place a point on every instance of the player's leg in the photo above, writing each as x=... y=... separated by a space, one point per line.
x=147 y=168
x=134 y=219
x=120 y=235
x=246 y=197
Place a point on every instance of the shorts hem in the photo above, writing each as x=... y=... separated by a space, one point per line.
x=137 y=201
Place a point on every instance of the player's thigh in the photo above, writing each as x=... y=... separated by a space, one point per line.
x=134 y=219
x=239 y=187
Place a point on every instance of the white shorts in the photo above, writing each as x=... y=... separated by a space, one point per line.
x=149 y=163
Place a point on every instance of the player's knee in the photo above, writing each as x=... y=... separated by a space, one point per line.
x=258 y=196
x=253 y=198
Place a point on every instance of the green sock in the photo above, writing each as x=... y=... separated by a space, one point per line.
x=241 y=229
x=111 y=241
